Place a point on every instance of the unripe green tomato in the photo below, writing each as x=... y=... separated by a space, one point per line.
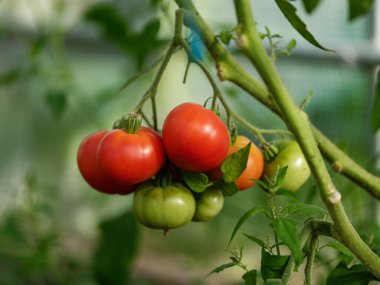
x=163 y=207
x=208 y=205
x=290 y=154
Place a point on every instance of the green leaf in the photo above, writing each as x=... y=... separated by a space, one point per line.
x=227 y=189
x=376 y=105
x=355 y=275
x=291 y=45
x=272 y=266
x=254 y=211
x=273 y=282
x=152 y=28
x=250 y=277
x=287 y=193
x=116 y=249
x=226 y=37
x=289 y=12
x=359 y=8
x=287 y=231
x=57 y=101
x=261 y=183
x=310 y=5
x=256 y=240
x=280 y=177
x=111 y=22
x=196 y=181
x=222 y=267
x=234 y=165
x=305 y=210
x=340 y=247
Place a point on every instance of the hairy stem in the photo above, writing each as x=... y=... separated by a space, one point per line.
x=229 y=69
x=251 y=44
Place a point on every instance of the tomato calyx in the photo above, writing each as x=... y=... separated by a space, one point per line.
x=270 y=151
x=130 y=123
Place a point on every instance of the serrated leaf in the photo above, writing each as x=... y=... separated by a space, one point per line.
x=289 y=12
x=196 y=181
x=234 y=165
x=254 y=211
x=339 y=247
x=115 y=250
x=280 y=177
x=287 y=231
x=272 y=266
x=261 y=183
x=355 y=275
x=376 y=105
x=256 y=240
x=303 y=210
x=250 y=277
x=310 y=5
x=57 y=102
x=359 y=8
x=222 y=267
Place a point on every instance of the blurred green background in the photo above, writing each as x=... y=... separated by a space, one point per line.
x=62 y=63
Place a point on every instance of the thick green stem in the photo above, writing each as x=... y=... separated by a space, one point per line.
x=314 y=227
x=251 y=44
x=314 y=241
x=229 y=69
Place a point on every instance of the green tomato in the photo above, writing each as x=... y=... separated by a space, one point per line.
x=163 y=207
x=290 y=154
x=209 y=204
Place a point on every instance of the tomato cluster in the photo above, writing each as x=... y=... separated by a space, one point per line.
x=135 y=159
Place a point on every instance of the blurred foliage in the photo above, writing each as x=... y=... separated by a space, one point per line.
x=58 y=83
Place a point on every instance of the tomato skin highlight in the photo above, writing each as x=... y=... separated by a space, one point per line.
x=90 y=169
x=195 y=139
x=163 y=207
x=131 y=158
x=255 y=164
x=290 y=154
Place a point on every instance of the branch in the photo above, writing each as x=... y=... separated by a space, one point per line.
x=250 y=42
x=316 y=228
x=229 y=69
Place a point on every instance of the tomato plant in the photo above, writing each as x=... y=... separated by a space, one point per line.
x=90 y=169
x=208 y=204
x=165 y=207
x=195 y=138
x=131 y=156
x=290 y=155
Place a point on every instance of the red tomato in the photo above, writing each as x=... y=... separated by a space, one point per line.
x=90 y=170
x=195 y=138
x=131 y=158
x=255 y=164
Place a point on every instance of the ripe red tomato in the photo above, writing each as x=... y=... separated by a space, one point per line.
x=131 y=158
x=195 y=138
x=255 y=164
x=90 y=170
